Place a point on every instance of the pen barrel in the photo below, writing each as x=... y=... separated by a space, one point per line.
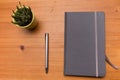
x=46 y=49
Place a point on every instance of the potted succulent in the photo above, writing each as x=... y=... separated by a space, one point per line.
x=23 y=17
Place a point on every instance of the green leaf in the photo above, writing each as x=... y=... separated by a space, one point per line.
x=22 y=16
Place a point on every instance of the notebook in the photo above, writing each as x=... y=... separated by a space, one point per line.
x=84 y=44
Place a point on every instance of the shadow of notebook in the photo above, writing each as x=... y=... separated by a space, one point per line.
x=84 y=51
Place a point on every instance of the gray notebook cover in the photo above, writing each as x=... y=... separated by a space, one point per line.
x=84 y=51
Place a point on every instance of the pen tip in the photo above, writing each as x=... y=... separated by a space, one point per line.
x=46 y=69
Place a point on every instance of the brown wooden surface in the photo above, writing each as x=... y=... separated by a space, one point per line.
x=29 y=64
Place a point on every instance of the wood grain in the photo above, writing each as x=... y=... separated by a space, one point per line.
x=29 y=64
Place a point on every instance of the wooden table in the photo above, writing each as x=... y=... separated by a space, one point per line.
x=29 y=64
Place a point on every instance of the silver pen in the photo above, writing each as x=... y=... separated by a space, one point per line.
x=46 y=51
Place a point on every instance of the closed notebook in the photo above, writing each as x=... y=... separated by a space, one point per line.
x=84 y=51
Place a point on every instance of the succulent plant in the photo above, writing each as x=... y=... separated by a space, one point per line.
x=22 y=16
